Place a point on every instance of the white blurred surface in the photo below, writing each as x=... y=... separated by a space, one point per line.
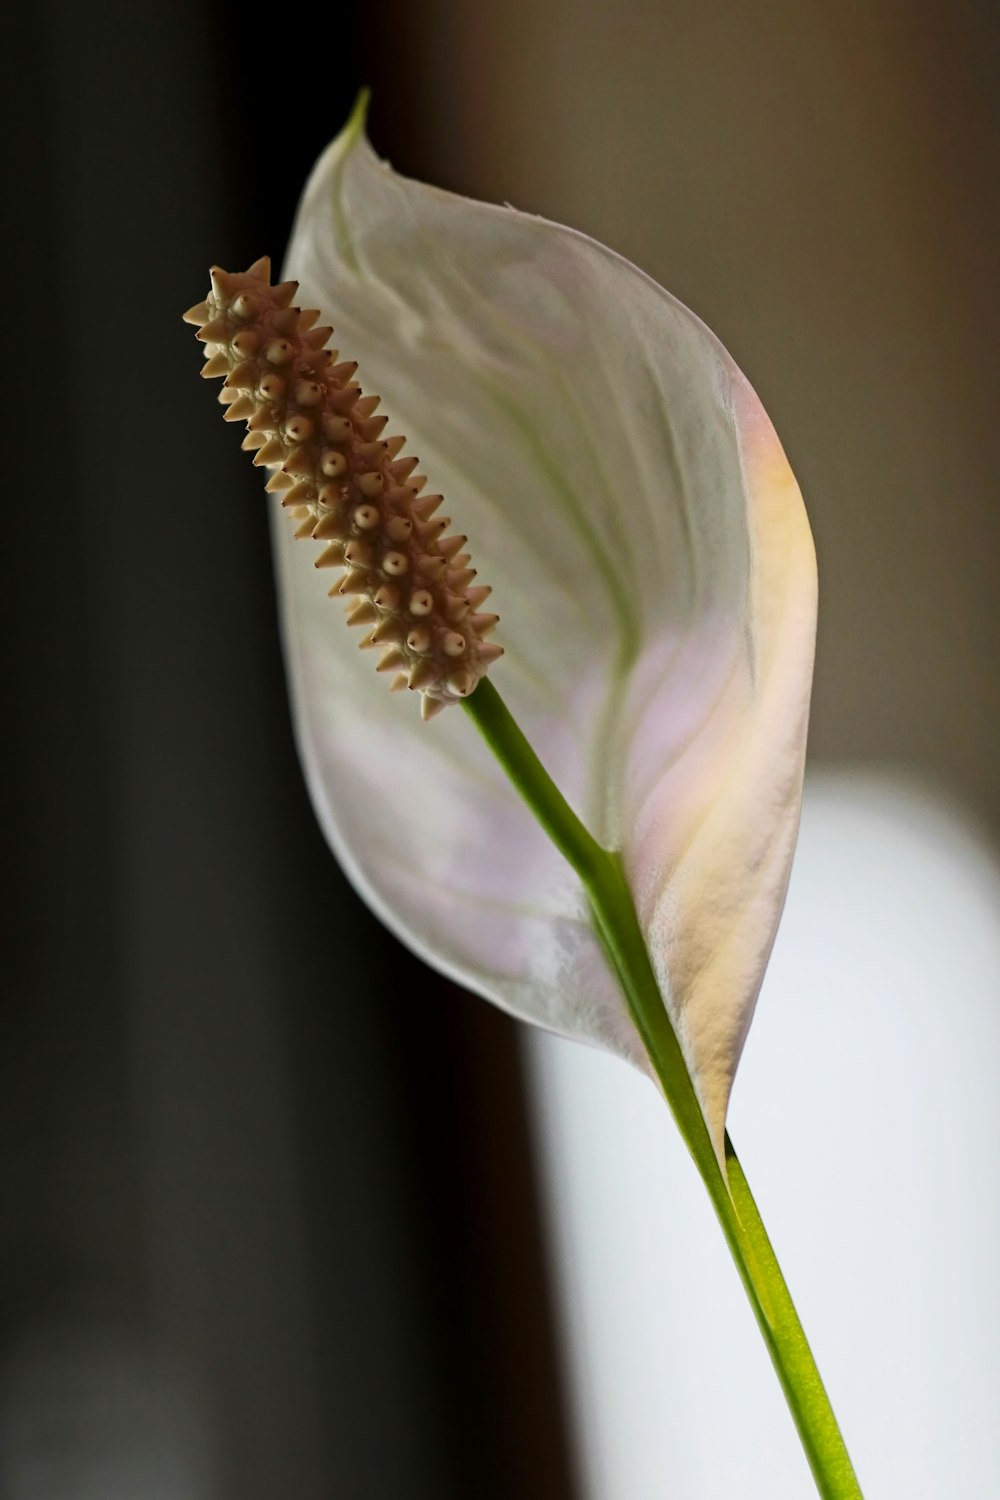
x=867 y=1117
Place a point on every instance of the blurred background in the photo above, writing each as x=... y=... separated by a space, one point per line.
x=273 y=1222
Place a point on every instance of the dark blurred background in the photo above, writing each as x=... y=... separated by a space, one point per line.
x=270 y=1224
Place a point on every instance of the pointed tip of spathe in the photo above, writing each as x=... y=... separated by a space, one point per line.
x=357 y=121
x=352 y=133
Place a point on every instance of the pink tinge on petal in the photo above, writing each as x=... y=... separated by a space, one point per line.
x=709 y=852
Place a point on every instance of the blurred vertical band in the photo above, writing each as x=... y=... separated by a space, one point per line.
x=268 y=1220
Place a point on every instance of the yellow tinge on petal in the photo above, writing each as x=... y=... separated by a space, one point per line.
x=347 y=485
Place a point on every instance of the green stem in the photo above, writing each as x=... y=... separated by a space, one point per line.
x=617 y=926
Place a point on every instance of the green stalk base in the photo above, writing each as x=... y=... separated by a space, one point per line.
x=617 y=926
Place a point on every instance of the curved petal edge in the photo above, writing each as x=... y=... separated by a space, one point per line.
x=624 y=491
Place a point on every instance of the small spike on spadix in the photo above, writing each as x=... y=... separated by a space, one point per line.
x=330 y=557
x=302 y=462
x=222 y=284
x=213 y=332
x=284 y=293
x=238 y=410
x=451 y=545
x=271 y=453
x=300 y=491
x=388 y=631
x=392 y=660
x=332 y=525
x=347 y=485
x=425 y=505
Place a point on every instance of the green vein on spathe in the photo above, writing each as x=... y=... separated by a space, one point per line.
x=468 y=479
x=681 y=481
x=460 y=896
x=627 y=623
x=593 y=450
x=517 y=336
x=604 y=771
x=348 y=139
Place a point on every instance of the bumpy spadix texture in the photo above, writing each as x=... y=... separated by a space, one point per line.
x=653 y=565
x=308 y=420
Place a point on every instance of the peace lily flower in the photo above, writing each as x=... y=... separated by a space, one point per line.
x=629 y=502
x=627 y=498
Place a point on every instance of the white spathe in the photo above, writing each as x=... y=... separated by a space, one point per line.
x=625 y=495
